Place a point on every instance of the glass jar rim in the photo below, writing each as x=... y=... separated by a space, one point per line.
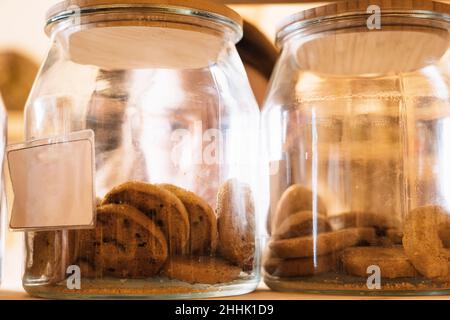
x=217 y=15
x=299 y=22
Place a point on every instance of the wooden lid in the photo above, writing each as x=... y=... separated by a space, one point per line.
x=360 y=7
x=121 y=34
x=201 y=8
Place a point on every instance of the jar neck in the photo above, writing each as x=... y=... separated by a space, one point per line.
x=389 y=20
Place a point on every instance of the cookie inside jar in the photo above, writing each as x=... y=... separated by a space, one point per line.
x=153 y=239
x=355 y=252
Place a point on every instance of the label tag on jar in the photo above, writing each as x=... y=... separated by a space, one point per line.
x=52 y=183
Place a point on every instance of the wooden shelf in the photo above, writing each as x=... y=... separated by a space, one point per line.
x=263 y=293
x=272 y=1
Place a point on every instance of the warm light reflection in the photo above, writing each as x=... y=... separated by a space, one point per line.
x=444 y=161
x=314 y=178
x=156 y=105
x=439 y=84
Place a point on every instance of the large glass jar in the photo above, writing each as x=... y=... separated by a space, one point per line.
x=357 y=125
x=162 y=87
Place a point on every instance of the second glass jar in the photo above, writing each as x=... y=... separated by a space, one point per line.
x=357 y=127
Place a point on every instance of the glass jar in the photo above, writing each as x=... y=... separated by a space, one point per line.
x=163 y=89
x=357 y=125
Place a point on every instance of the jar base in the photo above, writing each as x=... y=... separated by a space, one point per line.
x=142 y=289
x=334 y=284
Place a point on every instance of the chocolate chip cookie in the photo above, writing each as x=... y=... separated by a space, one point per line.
x=48 y=255
x=127 y=243
x=202 y=219
x=160 y=205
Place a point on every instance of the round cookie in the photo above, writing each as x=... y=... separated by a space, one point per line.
x=296 y=198
x=446 y=253
x=301 y=224
x=380 y=223
x=160 y=205
x=300 y=267
x=201 y=270
x=392 y=261
x=360 y=220
x=88 y=269
x=98 y=201
x=444 y=229
x=323 y=244
x=127 y=243
x=421 y=241
x=202 y=219
x=85 y=243
x=236 y=223
x=394 y=235
x=46 y=254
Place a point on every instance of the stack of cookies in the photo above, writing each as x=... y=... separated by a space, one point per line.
x=306 y=242
x=419 y=251
x=145 y=231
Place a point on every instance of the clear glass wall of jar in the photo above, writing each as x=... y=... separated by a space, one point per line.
x=176 y=142
x=357 y=124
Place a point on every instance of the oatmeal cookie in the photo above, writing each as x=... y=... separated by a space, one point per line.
x=325 y=243
x=299 y=267
x=392 y=261
x=301 y=224
x=296 y=198
x=201 y=270
x=422 y=243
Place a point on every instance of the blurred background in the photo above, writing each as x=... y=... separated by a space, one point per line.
x=23 y=46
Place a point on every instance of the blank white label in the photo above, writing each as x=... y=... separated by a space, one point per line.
x=53 y=183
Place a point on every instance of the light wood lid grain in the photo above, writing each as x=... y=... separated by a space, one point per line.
x=188 y=7
x=121 y=34
x=360 y=6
